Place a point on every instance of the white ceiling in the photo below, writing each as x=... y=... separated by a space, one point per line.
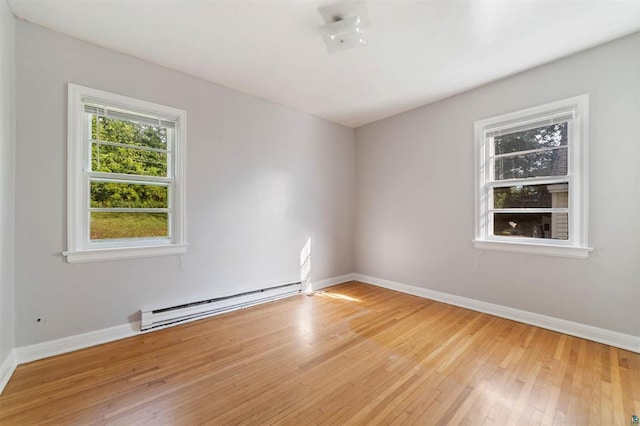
x=418 y=51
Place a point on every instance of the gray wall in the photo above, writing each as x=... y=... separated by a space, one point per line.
x=7 y=31
x=415 y=183
x=264 y=178
x=261 y=180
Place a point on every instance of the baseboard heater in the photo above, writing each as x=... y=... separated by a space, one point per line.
x=173 y=315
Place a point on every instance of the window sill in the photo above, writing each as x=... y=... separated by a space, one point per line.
x=103 y=254
x=533 y=248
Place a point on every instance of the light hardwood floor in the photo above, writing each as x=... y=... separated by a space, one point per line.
x=352 y=354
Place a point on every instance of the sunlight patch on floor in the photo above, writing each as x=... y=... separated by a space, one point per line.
x=336 y=296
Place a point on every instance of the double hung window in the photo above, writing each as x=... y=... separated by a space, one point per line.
x=531 y=179
x=125 y=177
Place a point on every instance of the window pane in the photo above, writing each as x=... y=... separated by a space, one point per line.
x=118 y=159
x=546 y=163
x=532 y=225
x=128 y=132
x=128 y=225
x=531 y=196
x=127 y=195
x=540 y=137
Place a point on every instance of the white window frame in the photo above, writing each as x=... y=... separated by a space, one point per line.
x=79 y=246
x=577 y=244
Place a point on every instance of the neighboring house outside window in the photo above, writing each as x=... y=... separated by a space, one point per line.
x=126 y=186
x=531 y=180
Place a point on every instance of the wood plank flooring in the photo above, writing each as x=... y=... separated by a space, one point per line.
x=352 y=354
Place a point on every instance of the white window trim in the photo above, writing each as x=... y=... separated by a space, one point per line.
x=79 y=249
x=577 y=245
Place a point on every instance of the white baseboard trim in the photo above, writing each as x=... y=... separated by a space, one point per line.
x=317 y=285
x=73 y=343
x=50 y=348
x=7 y=368
x=600 y=335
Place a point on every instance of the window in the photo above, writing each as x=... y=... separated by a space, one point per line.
x=531 y=180
x=126 y=186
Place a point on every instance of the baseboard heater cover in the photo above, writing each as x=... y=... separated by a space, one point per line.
x=164 y=317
